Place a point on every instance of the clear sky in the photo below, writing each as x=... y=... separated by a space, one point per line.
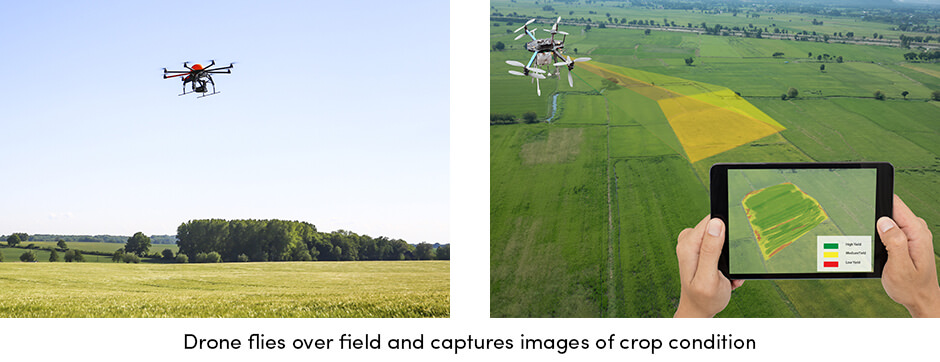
x=336 y=113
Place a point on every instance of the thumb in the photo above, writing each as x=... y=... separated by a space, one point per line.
x=712 y=242
x=895 y=242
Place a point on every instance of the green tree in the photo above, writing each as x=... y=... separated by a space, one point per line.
x=167 y=254
x=79 y=258
x=935 y=95
x=499 y=46
x=13 y=240
x=213 y=257
x=182 y=258
x=28 y=256
x=688 y=61
x=822 y=67
x=138 y=244
x=130 y=258
x=242 y=258
x=1 y=256
x=200 y=257
x=69 y=256
x=443 y=252
x=792 y=93
x=530 y=117
x=53 y=256
x=424 y=251
x=61 y=244
x=646 y=32
x=879 y=95
x=118 y=255
x=904 y=94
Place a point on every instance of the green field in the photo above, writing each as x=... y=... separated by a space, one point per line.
x=585 y=210
x=13 y=254
x=230 y=290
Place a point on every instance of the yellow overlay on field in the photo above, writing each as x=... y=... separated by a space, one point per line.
x=707 y=119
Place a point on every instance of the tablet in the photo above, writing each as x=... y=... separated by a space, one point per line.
x=802 y=220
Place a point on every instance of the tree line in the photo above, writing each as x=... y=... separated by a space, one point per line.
x=279 y=240
x=156 y=239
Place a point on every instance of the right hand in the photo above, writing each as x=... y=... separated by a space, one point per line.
x=910 y=274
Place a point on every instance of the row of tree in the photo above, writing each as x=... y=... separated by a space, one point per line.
x=24 y=237
x=279 y=240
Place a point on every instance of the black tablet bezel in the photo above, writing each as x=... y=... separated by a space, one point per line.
x=884 y=191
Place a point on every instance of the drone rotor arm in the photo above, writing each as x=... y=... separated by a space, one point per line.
x=175 y=75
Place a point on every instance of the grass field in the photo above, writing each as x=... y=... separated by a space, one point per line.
x=234 y=290
x=13 y=254
x=591 y=230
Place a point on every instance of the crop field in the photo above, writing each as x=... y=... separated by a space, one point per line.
x=591 y=230
x=231 y=290
x=780 y=214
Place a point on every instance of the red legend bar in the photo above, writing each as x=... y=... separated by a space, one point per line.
x=830 y=264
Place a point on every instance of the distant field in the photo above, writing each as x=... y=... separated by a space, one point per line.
x=591 y=230
x=231 y=290
x=13 y=254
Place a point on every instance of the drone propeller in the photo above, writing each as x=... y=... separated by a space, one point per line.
x=519 y=64
x=523 y=26
x=570 y=64
x=569 y=61
x=556 y=32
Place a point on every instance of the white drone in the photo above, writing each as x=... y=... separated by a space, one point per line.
x=547 y=51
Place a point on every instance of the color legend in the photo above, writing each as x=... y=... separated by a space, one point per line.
x=843 y=253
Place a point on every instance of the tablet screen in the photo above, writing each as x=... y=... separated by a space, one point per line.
x=801 y=220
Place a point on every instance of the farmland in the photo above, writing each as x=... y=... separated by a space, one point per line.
x=234 y=290
x=585 y=209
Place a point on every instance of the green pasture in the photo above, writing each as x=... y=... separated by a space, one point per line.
x=554 y=244
x=227 y=290
x=548 y=251
x=13 y=254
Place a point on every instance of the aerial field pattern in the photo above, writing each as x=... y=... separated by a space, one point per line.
x=780 y=214
x=707 y=119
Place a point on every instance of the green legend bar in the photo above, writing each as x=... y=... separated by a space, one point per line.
x=831 y=246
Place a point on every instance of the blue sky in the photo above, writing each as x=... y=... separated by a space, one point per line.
x=336 y=113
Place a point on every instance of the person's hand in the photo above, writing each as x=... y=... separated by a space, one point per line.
x=910 y=275
x=705 y=291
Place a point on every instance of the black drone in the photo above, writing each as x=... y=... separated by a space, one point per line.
x=198 y=76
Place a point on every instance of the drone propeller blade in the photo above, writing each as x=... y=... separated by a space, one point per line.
x=538 y=88
x=525 y=25
x=537 y=70
x=513 y=72
x=515 y=63
x=584 y=59
x=560 y=64
x=561 y=32
x=536 y=76
x=570 y=80
x=519 y=36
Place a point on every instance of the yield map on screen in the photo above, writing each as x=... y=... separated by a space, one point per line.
x=801 y=220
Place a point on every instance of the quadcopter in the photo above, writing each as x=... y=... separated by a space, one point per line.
x=198 y=76
x=547 y=51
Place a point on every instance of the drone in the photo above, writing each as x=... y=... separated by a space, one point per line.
x=547 y=51
x=199 y=77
